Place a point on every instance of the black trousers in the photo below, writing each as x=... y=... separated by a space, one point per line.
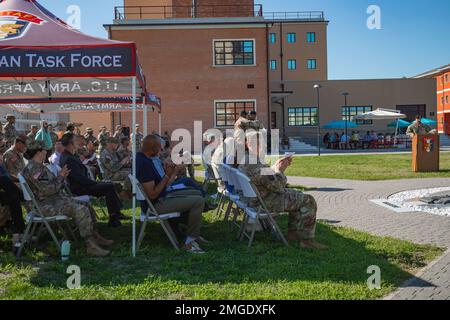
x=10 y=195
x=106 y=190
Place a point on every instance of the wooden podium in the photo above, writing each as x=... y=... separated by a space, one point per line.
x=426 y=152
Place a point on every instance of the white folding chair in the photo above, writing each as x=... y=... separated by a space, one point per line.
x=153 y=216
x=36 y=218
x=224 y=171
x=260 y=213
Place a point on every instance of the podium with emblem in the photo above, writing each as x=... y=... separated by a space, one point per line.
x=425 y=151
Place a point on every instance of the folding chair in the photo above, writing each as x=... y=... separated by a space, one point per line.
x=100 y=200
x=261 y=213
x=35 y=218
x=153 y=216
x=224 y=171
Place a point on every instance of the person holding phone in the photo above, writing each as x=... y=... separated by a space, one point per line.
x=271 y=183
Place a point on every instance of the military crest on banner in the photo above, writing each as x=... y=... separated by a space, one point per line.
x=15 y=24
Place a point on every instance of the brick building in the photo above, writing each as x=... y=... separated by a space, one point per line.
x=442 y=77
x=210 y=59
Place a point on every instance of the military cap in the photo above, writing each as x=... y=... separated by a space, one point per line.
x=9 y=116
x=34 y=126
x=89 y=130
x=22 y=138
x=36 y=145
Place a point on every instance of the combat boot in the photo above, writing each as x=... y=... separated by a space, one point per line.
x=93 y=249
x=102 y=241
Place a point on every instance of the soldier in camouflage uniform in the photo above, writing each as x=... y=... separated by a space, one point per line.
x=102 y=138
x=10 y=130
x=118 y=134
x=271 y=183
x=48 y=190
x=2 y=140
x=115 y=169
x=139 y=138
x=13 y=157
x=89 y=137
x=418 y=127
x=32 y=135
x=123 y=151
x=254 y=123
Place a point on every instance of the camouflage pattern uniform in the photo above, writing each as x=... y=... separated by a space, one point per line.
x=302 y=208
x=14 y=162
x=48 y=192
x=255 y=125
x=102 y=139
x=139 y=138
x=114 y=169
x=3 y=147
x=10 y=134
x=31 y=137
x=417 y=128
x=123 y=152
x=54 y=138
x=91 y=138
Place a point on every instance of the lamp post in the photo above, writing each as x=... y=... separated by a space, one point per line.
x=347 y=117
x=317 y=87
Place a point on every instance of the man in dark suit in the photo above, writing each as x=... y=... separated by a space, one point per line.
x=81 y=184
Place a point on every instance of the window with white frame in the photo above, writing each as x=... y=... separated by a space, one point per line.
x=228 y=112
x=234 y=52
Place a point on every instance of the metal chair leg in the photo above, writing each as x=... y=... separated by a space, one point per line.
x=170 y=234
x=141 y=234
x=25 y=238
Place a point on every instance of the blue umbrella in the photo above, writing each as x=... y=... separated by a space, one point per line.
x=340 y=125
x=429 y=122
x=401 y=124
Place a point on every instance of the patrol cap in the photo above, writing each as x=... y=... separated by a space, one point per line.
x=10 y=116
x=89 y=130
x=103 y=127
x=112 y=140
x=36 y=145
x=34 y=126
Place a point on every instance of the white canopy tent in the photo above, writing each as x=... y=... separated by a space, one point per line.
x=382 y=114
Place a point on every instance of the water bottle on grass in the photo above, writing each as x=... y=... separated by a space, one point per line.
x=65 y=251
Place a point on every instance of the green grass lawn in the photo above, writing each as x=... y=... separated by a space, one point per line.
x=363 y=167
x=227 y=271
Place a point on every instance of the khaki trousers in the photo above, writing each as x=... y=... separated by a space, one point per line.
x=187 y=201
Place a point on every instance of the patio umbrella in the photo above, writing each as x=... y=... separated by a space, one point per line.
x=340 y=125
x=429 y=122
x=401 y=124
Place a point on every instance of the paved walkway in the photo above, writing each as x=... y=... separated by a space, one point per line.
x=345 y=203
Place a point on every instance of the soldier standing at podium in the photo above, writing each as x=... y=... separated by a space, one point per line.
x=418 y=128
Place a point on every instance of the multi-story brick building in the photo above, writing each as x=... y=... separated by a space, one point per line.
x=442 y=76
x=210 y=59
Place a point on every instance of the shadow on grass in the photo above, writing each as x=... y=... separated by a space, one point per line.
x=229 y=261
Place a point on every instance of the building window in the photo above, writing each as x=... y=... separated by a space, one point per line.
x=312 y=64
x=292 y=64
x=273 y=64
x=291 y=37
x=349 y=112
x=446 y=78
x=227 y=112
x=311 y=37
x=234 y=53
x=302 y=116
x=273 y=38
x=446 y=99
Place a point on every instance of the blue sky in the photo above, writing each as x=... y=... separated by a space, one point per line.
x=414 y=36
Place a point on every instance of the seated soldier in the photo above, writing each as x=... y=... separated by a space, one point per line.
x=48 y=190
x=157 y=181
x=115 y=169
x=13 y=157
x=271 y=184
x=10 y=207
x=123 y=151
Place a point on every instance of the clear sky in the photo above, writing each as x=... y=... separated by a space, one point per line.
x=414 y=35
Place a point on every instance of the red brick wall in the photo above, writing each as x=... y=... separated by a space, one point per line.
x=179 y=68
x=214 y=8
